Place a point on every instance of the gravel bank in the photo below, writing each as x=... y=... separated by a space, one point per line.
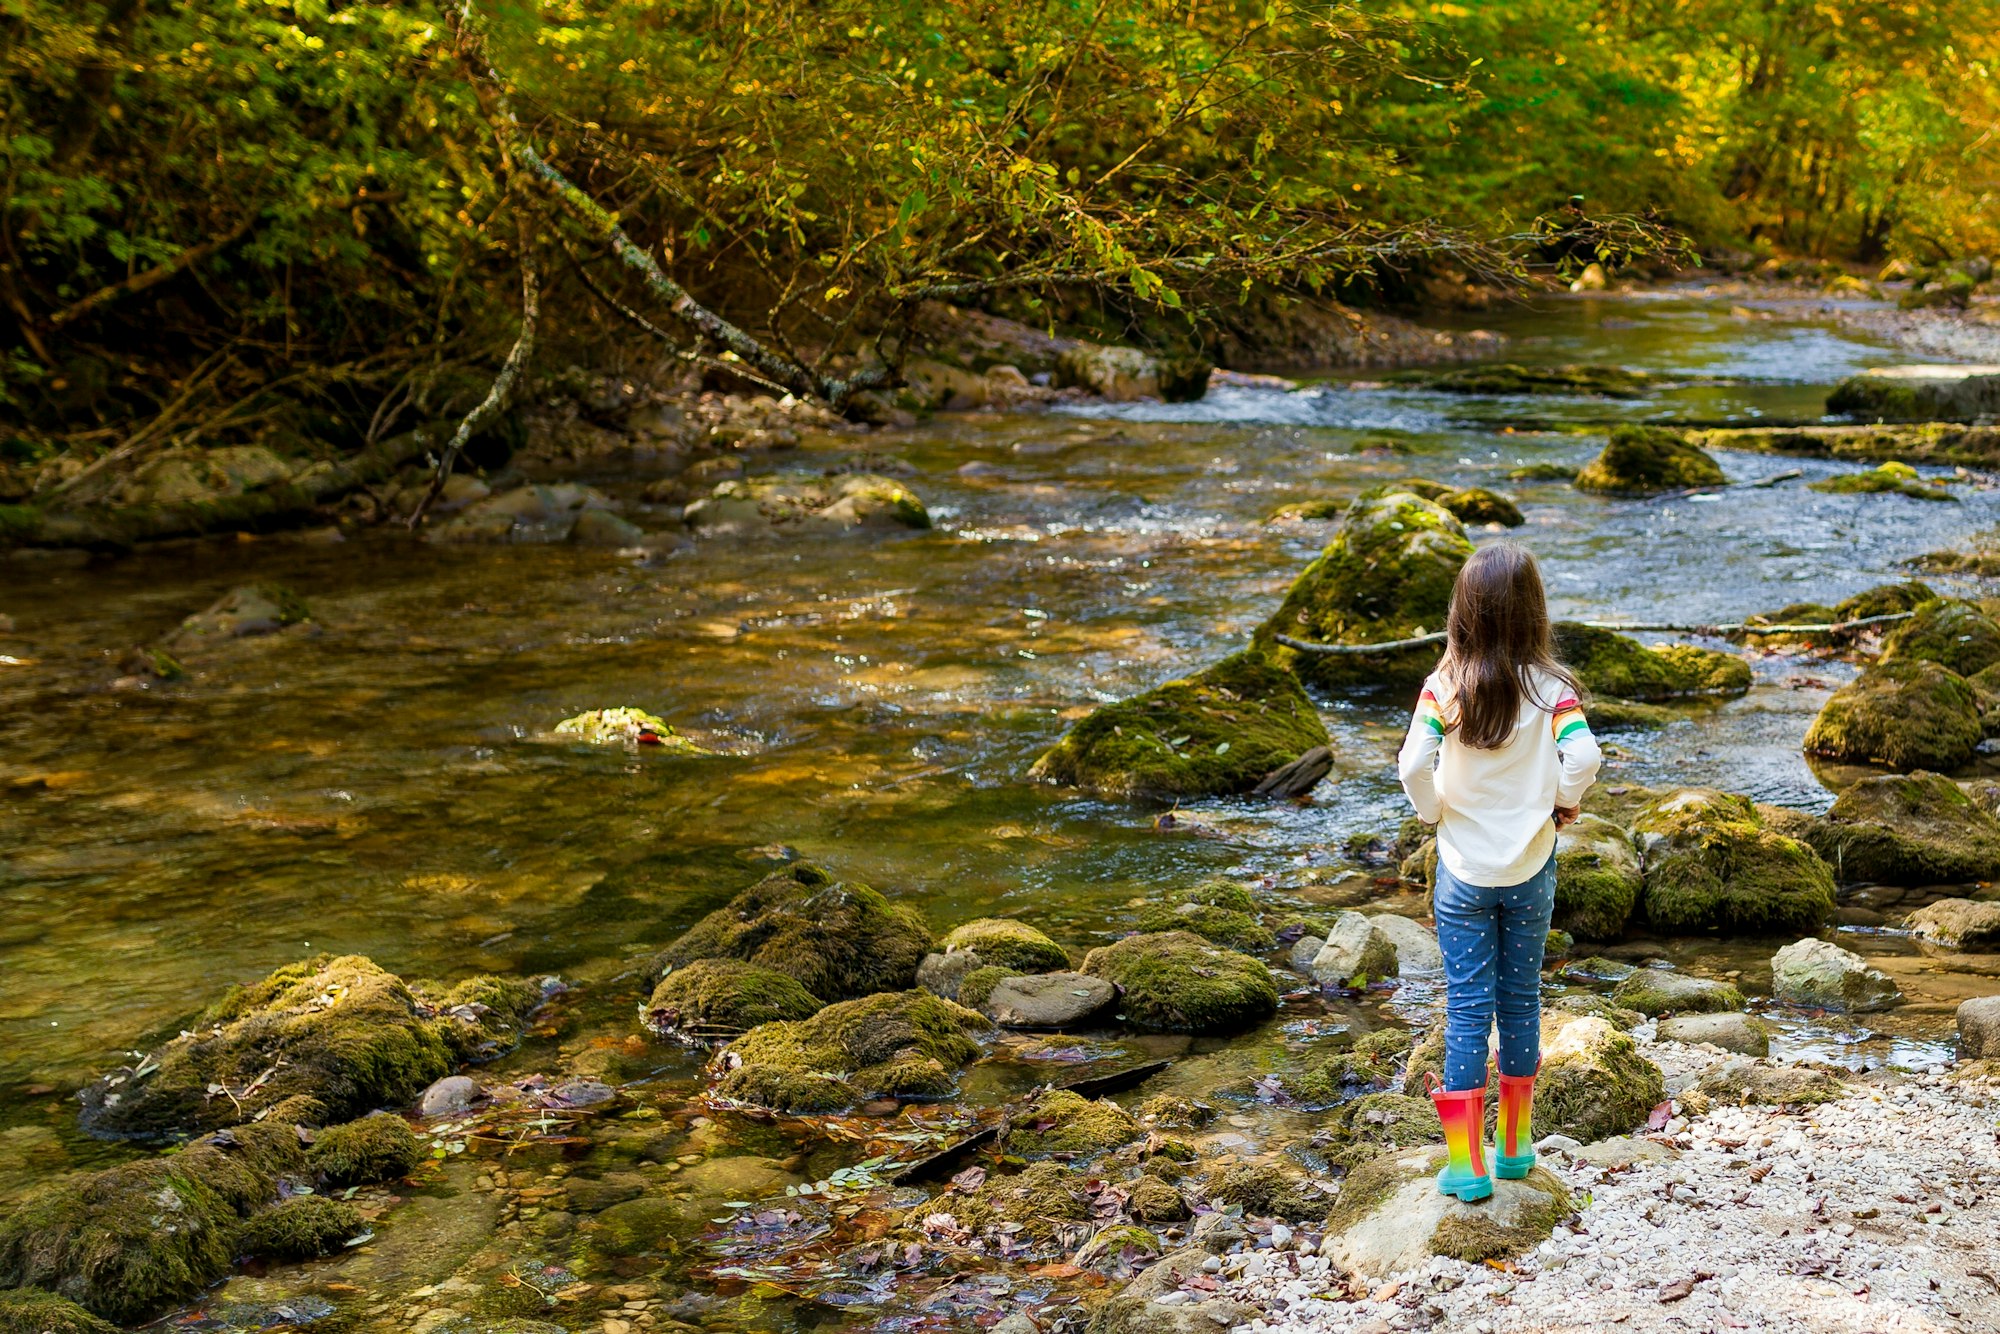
x=1879 y=1212
x=1972 y=336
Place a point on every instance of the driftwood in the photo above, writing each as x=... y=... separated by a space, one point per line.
x=1720 y=631
x=1299 y=777
x=1750 y=484
x=946 y=1160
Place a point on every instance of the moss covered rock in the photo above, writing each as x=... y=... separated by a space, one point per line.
x=1387 y=574
x=1219 y=731
x=130 y=1241
x=1046 y=1204
x=902 y=1044
x=1008 y=943
x=363 y=1152
x=1711 y=865
x=1266 y=1190
x=714 y=1000
x=1897 y=478
x=1391 y=1218
x=1597 y=878
x=1608 y=663
x=1593 y=1082
x=1646 y=460
x=1909 y=714
x=305 y=1227
x=838 y=939
x=1956 y=635
x=1355 y=953
x=1217 y=910
x=787 y=503
x=32 y=1311
x=1357 y=1131
x=1590 y=1005
x=316 y=1042
x=1369 y=1064
x=1176 y=981
x=1908 y=829
x=1508 y=378
x=1468 y=504
x=976 y=988
x=1062 y=1124
x=1917 y=394
x=627 y=727
x=1658 y=991
x=1154 y=1200
x=1881 y=600
x=1747 y=1079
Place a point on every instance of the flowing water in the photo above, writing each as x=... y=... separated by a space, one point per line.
x=385 y=783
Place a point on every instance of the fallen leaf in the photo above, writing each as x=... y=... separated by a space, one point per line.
x=1674 y=1291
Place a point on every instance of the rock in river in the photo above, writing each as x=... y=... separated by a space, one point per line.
x=1957 y=924
x=1608 y=663
x=1658 y=991
x=1009 y=944
x=714 y=1000
x=1712 y=865
x=1046 y=1000
x=803 y=503
x=627 y=727
x=1391 y=1217
x=1594 y=1081
x=1957 y=635
x=1908 y=829
x=1908 y=714
x=895 y=1044
x=1646 y=460
x=1824 y=976
x=32 y=1311
x=1918 y=394
x=1219 y=731
x=1356 y=953
x=1597 y=878
x=1176 y=981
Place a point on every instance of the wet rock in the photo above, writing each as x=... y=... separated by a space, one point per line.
x=130 y=1241
x=1590 y=1005
x=316 y=1042
x=837 y=939
x=1047 y=1000
x=524 y=515
x=627 y=727
x=1908 y=829
x=1217 y=910
x=1416 y=945
x=943 y=974
x=1299 y=778
x=657 y=1223
x=1009 y=944
x=804 y=504
x=454 y=1095
x=1909 y=714
x=1647 y=460
x=1746 y=1079
x=1219 y=731
x=241 y=613
x=1957 y=924
x=1470 y=505
x=1508 y=378
x=1302 y=953
x=1598 y=881
x=303 y=1228
x=1356 y=953
x=1266 y=1190
x=715 y=1000
x=1062 y=1124
x=1391 y=1217
x=895 y=1044
x=1824 y=976
x=1658 y=991
x=1370 y=1064
x=360 y=1153
x=1885 y=478
x=1119 y=1248
x=31 y=1311
x=1121 y=374
x=1918 y=394
x=1386 y=575
x=1711 y=865
x=1176 y=981
x=202 y=476
x=1956 y=635
x=1608 y=663
x=1170 y=1111
x=1979 y=1028
x=1731 y=1032
x=602 y=528
x=1154 y=1200
x=1594 y=1082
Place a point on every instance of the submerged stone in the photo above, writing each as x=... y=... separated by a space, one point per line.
x=1608 y=663
x=1009 y=944
x=789 y=503
x=837 y=939
x=1597 y=878
x=1176 y=981
x=316 y=1042
x=1908 y=714
x=1712 y=865
x=1908 y=829
x=1646 y=460
x=527 y=514
x=1370 y=1064
x=1046 y=1203
x=714 y=1000
x=897 y=1044
x=257 y=609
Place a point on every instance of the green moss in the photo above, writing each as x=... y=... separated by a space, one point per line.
x=714 y=1000
x=1041 y=1204
x=1711 y=865
x=1310 y=511
x=1908 y=714
x=303 y=1228
x=372 y=1149
x=1921 y=442
x=1011 y=944
x=1597 y=879
x=1956 y=635
x=837 y=939
x=31 y=1311
x=977 y=985
x=130 y=1241
x=1646 y=460
x=1265 y=1190
x=1152 y=1200
x=1908 y=829
x=1475 y=1237
x=1897 y=478
x=1219 y=910
x=1061 y=1124
x=1170 y=1111
x=1593 y=1082
x=1557 y=944
x=1358 y=1131
x=1608 y=663
x=1477 y=505
x=1592 y=1006
x=1219 y=731
x=1976 y=564
x=905 y=1044
x=624 y=726
x=326 y=1040
x=1654 y=992
x=1542 y=472
x=1508 y=378
x=1624 y=715
x=1371 y=1063
x=1387 y=574
x=1370 y=1182
x=1177 y=981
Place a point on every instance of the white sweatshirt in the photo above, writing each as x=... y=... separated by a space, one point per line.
x=1493 y=807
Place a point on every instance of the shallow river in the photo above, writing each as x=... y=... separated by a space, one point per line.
x=385 y=784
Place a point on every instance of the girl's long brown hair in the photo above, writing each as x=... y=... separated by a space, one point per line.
x=1496 y=634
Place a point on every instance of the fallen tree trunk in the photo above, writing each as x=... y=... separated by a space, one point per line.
x=1720 y=631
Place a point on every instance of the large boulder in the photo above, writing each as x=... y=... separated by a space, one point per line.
x=1594 y=1082
x=1391 y=1217
x=1823 y=976
x=1957 y=924
x=838 y=939
x=1979 y=1028
x=1597 y=878
x=1217 y=732
x=1417 y=950
x=1658 y=991
x=1646 y=460
x=1918 y=394
x=1608 y=663
x=1386 y=575
x=314 y=1043
x=1178 y=982
x=1957 y=635
x=713 y=1000
x=897 y=1044
x=1908 y=714
x=1356 y=953
x=1008 y=944
x=1712 y=865
x=1908 y=829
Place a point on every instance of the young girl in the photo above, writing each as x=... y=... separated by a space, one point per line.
x=1498 y=757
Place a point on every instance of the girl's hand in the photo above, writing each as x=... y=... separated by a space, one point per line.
x=1566 y=815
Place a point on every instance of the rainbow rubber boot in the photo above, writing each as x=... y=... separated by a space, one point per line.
x=1463 y=1116
x=1513 y=1145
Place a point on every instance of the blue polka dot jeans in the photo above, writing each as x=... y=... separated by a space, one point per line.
x=1492 y=940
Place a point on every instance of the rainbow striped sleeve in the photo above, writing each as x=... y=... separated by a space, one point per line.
x=1431 y=713
x=1568 y=718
